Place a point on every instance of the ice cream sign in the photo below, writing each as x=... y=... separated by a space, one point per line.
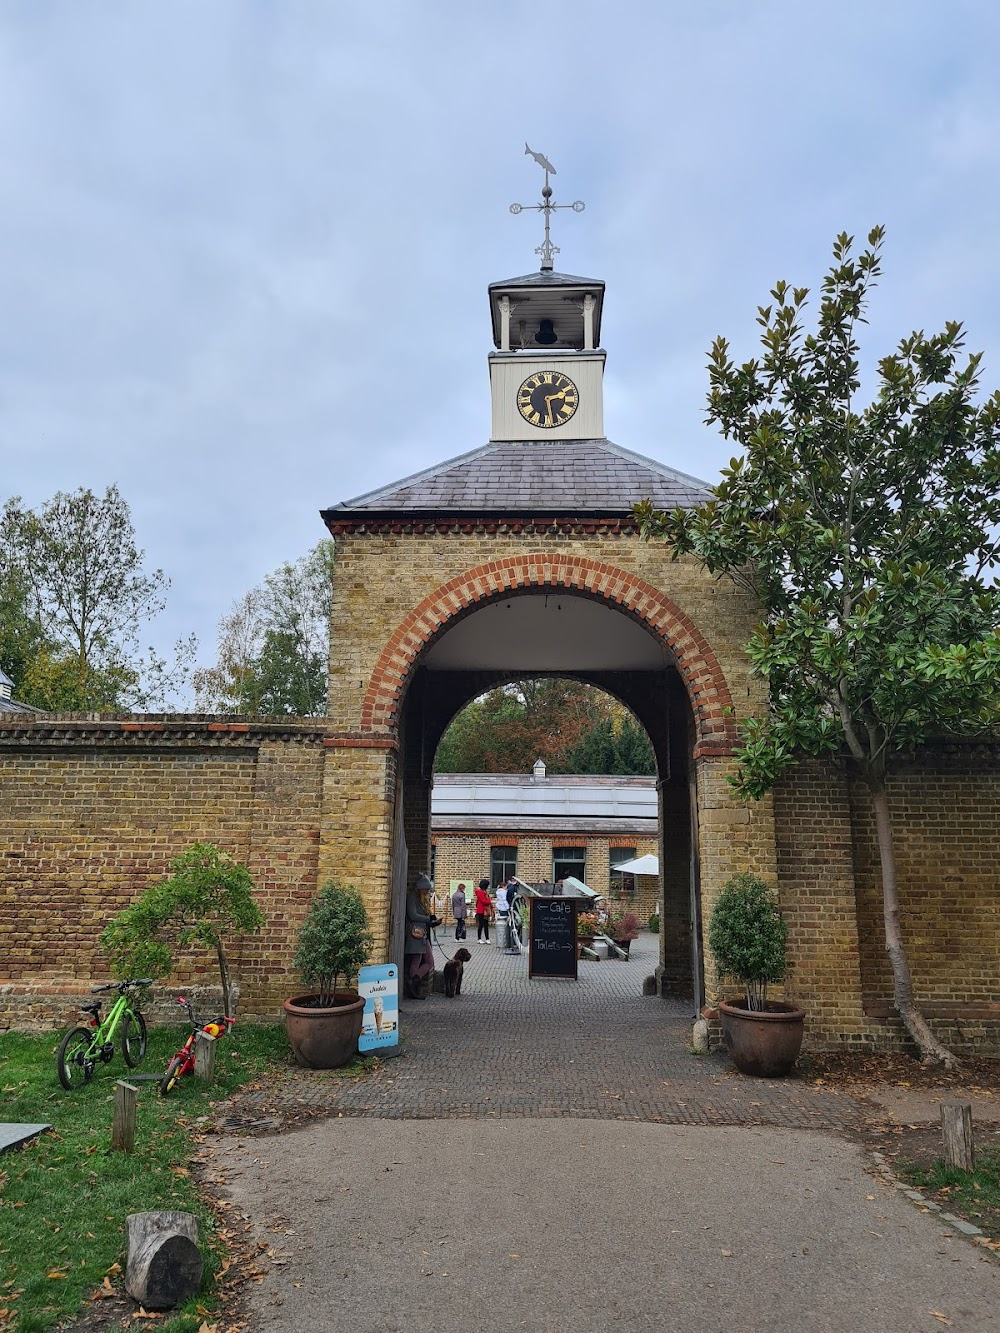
x=379 y=988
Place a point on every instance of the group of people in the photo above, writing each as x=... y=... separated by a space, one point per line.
x=485 y=906
x=422 y=920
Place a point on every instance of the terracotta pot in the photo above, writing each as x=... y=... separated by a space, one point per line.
x=763 y=1043
x=324 y=1038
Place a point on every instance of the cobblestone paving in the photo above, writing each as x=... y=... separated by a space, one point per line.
x=596 y=1048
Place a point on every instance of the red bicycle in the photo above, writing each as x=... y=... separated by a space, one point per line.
x=183 y=1062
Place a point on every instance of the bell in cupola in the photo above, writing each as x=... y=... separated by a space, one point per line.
x=546 y=334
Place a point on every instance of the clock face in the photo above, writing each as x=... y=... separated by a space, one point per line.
x=547 y=399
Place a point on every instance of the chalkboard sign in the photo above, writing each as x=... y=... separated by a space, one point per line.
x=552 y=938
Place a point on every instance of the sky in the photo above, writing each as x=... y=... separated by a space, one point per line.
x=245 y=246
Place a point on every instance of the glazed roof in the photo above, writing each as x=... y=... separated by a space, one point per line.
x=564 y=803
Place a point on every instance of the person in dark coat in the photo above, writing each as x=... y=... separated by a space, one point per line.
x=459 y=910
x=420 y=920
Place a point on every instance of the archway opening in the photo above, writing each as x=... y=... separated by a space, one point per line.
x=557 y=675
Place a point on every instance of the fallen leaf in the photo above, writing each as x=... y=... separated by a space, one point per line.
x=55 y=1272
x=941 y=1318
x=726 y=1254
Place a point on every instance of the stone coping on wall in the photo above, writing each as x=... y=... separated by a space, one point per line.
x=178 y=728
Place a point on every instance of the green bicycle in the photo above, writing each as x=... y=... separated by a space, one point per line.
x=82 y=1048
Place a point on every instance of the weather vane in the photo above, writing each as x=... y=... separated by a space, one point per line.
x=547 y=250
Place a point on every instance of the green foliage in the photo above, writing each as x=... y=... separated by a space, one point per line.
x=208 y=898
x=611 y=745
x=274 y=644
x=573 y=727
x=870 y=533
x=73 y=598
x=335 y=940
x=748 y=937
x=654 y=923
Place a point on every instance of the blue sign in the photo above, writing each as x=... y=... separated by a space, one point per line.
x=379 y=988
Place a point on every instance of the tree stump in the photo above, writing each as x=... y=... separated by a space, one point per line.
x=956 y=1129
x=163 y=1264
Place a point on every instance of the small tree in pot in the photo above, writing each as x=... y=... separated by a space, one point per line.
x=748 y=938
x=334 y=943
x=623 y=927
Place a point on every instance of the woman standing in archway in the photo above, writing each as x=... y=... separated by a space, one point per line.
x=417 y=950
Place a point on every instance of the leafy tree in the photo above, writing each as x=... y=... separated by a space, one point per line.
x=869 y=533
x=748 y=937
x=207 y=899
x=335 y=941
x=614 y=744
x=274 y=644
x=573 y=727
x=73 y=597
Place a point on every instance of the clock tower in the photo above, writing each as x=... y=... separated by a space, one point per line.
x=547 y=372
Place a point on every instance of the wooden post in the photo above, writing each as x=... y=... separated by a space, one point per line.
x=956 y=1127
x=204 y=1057
x=123 y=1125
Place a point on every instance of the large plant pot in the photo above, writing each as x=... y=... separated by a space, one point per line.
x=763 y=1043
x=324 y=1038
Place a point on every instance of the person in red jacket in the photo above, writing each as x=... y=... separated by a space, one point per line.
x=484 y=910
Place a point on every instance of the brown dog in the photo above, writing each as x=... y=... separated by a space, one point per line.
x=453 y=970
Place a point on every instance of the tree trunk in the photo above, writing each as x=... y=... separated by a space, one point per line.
x=163 y=1267
x=931 y=1050
x=224 y=974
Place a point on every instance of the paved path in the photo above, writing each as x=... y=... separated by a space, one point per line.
x=595 y=1048
x=588 y=1174
x=391 y=1226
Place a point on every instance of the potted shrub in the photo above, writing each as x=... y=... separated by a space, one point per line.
x=324 y=1025
x=623 y=927
x=748 y=938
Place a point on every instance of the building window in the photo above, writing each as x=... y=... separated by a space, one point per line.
x=503 y=864
x=622 y=883
x=569 y=861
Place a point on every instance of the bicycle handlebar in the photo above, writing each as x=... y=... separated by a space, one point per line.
x=122 y=986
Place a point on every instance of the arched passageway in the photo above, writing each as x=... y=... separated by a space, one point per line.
x=585 y=623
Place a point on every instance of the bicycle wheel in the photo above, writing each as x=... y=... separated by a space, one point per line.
x=169 y=1080
x=133 y=1037
x=71 y=1062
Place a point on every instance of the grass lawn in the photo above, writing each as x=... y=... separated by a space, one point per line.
x=974 y=1195
x=64 y=1196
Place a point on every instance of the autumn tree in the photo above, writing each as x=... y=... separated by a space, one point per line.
x=868 y=532
x=274 y=644
x=572 y=726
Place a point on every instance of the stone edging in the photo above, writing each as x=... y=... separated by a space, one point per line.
x=959 y=1224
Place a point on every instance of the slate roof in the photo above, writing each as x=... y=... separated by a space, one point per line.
x=9 y=705
x=547 y=279
x=557 y=477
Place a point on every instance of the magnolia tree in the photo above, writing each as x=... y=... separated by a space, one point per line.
x=869 y=531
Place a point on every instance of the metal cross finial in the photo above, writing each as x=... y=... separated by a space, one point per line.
x=547 y=250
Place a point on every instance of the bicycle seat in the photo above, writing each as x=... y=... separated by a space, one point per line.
x=91 y=1009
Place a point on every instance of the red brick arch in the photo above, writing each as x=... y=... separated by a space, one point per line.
x=707 y=689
